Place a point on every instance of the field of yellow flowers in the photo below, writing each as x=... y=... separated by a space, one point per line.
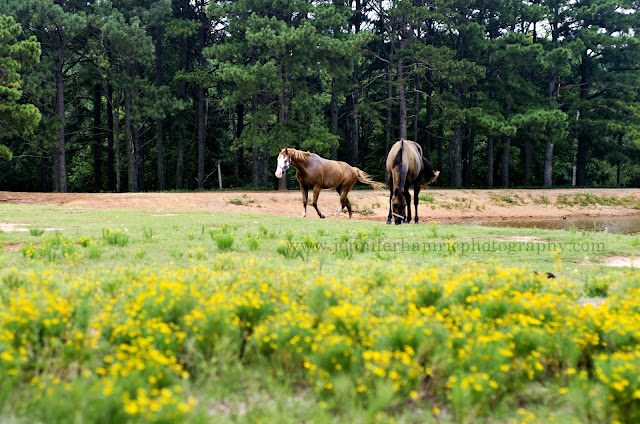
x=370 y=339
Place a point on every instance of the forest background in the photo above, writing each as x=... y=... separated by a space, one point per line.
x=153 y=95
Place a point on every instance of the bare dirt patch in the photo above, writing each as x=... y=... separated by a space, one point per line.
x=523 y=239
x=446 y=204
x=593 y=301
x=11 y=247
x=622 y=261
x=9 y=226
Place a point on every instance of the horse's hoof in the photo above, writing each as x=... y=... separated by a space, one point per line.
x=389 y=222
x=322 y=216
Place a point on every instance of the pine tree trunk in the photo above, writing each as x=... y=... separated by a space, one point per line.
x=334 y=116
x=464 y=154
x=427 y=143
x=527 y=162
x=505 y=150
x=55 y=169
x=505 y=162
x=117 y=143
x=548 y=163
x=619 y=162
x=184 y=52
x=238 y=127
x=255 y=150
x=201 y=94
x=416 y=108
x=201 y=136
x=159 y=136
x=60 y=111
x=490 y=165
x=97 y=138
x=282 y=105
x=355 y=86
x=402 y=100
x=583 y=135
x=255 y=163
x=470 y=147
x=111 y=176
x=132 y=133
x=440 y=154
x=264 y=167
x=140 y=157
x=547 y=172
x=455 y=158
x=355 y=126
x=131 y=181
x=429 y=90
x=160 y=156
x=43 y=172
x=387 y=144
x=455 y=148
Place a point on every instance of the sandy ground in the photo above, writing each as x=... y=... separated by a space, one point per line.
x=371 y=205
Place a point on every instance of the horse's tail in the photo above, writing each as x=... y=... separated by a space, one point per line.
x=363 y=177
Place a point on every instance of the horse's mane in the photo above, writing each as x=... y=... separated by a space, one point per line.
x=298 y=154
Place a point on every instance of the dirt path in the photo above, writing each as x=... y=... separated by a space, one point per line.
x=371 y=205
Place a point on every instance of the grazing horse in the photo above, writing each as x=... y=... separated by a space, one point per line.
x=406 y=166
x=316 y=173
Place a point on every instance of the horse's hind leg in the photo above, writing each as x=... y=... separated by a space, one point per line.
x=416 y=199
x=316 y=193
x=339 y=189
x=344 y=200
x=348 y=205
x=305 y=196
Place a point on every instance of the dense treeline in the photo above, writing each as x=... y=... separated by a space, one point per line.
x=138 y=95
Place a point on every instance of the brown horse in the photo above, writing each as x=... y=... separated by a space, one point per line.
x=406 y=166
x=316 y=173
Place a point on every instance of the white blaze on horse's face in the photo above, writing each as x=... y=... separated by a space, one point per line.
x=283 y=165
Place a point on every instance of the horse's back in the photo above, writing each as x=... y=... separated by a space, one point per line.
x=327 y=173
x=411 y=158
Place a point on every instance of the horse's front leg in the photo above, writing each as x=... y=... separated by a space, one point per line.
x=407 y=198
x=316 y=193
x=416 y=199
x=390 y=199
x=305 y=195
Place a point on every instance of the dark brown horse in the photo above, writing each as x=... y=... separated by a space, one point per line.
x=316 y=173
x=406 y=166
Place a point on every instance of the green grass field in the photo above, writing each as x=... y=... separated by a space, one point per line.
x=134 y=316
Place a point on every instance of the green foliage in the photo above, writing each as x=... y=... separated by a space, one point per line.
x=36 y=231
x=17 y=56
x=224 y=241
x=115 y=237
x=597 y=287
x=313 y=75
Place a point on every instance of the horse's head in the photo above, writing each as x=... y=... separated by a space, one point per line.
x=399 y=207
x=284 y=162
